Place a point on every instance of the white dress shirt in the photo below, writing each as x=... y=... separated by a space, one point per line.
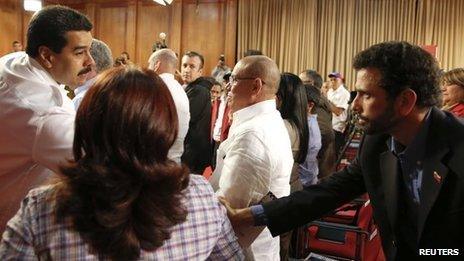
x=255 y=158
x=218 y=124
x=37 y=129
x=340 y=98
x=80 y=92
x=183 y=114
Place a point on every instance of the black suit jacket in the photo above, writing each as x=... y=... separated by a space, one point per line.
x=197 y=144
x=441 y=214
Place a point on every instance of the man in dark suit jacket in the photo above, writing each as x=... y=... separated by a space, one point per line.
x=410 y=161
x=197 y=144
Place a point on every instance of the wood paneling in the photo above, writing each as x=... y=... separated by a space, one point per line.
x=203 y=30
x=10 y=24
x=206 y=26
x=115 y=25
x=151 y=21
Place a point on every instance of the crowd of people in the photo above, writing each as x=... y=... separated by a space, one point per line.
x=118 y=172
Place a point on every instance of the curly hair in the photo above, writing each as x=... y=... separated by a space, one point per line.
x=403 y=66
x=121 y=193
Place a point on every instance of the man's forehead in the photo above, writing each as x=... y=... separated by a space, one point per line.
x=367 y=77
x=238 y=68
x=190 y=59
x=78 y=39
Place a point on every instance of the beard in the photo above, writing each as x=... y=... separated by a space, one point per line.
x=383 y=123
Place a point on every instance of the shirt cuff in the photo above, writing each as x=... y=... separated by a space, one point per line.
x=258 y=215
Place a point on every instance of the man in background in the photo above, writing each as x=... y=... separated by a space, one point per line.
x=326 y=156
x=164 y=63
x=220 y=70
x=338 y=97
x=197 y=145
x=17 y=46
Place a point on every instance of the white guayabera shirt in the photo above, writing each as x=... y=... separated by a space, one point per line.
x=256 y=158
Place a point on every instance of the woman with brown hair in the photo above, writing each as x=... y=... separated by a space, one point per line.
x=121 y=198
x=453 y=91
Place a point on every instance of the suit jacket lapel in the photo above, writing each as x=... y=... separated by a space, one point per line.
x=433 y=176
x=389 y=171
x=434 y=171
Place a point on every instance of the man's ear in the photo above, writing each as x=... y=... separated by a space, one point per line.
x=257 y=86
x=406 y=101
x=157 y=66
x=46 y=57
x=201 y=71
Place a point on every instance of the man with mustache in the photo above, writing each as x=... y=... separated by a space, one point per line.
x=409 y=162
x=101 y=54
x=36 y=116
x=197 y=145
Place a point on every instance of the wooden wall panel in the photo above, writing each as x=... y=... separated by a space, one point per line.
x=206 y=26
x=203 y=31
x=152 y=19
x=10 y=24
x=26 y=17
x=112 y=27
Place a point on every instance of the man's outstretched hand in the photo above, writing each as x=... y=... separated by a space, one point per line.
x=243 y=223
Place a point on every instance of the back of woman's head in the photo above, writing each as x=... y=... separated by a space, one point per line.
x=121 y=192
x=293 y=107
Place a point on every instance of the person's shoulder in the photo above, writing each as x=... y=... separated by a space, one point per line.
x=199 y=184
x=40 y=200
x=200 y=198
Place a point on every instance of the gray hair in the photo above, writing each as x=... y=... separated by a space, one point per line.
x=101 y=54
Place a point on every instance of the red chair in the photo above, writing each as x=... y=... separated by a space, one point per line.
x=349 y=233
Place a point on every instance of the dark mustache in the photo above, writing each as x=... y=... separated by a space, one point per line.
x=85 y=70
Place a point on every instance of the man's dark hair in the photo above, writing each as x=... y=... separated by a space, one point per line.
x=251 y=52
x=403 y=65
x=313 y=94
x=195 y=54
x=317 y=79
x=49 y=26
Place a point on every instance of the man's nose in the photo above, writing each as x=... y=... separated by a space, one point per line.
x=356 y=103
x=89 y=60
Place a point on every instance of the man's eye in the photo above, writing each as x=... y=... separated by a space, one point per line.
x=80 y=53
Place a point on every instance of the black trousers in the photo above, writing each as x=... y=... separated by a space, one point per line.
x=339 y=141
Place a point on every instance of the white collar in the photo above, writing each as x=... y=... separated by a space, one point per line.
x=253 y=110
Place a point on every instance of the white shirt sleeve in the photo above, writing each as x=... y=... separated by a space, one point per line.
x=54 y=138
x=245 y=175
